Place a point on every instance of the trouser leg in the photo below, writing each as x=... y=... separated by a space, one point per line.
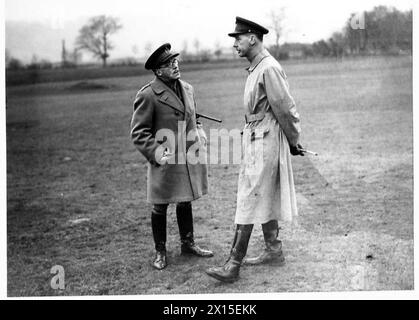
x=186 y=231
x=185 y=221
x=158 y=225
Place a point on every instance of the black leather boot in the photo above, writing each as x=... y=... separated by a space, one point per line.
x=185 y=223
x=273 y=251
x=229 y=272
x=158 y=225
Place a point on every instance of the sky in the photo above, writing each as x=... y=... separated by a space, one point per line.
x=151 y=23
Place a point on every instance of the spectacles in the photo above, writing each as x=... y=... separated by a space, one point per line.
x=171 y=64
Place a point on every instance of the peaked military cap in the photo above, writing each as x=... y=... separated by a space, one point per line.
x=160 y=56
x=247 y=26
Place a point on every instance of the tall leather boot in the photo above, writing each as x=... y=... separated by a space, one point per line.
x=229 y=272
x=273 y=250
x=158 y=225
x=185 y=223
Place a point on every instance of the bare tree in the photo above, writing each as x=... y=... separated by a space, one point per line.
x=148 y=48
x=64 y=54
x=218 y=51
x=12 y=63
x=94 y=36
x=185 y=47
x=337 y=43
x=75 y=56
x=34 y=59
x=197 y=46
x=277 y=25
x=184 y=54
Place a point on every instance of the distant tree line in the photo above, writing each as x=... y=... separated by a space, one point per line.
x=387 y=30
x=383 y=30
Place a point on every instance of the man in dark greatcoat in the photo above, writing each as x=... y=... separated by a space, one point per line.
x=165 y=130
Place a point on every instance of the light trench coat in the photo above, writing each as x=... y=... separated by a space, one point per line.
x=266 y=184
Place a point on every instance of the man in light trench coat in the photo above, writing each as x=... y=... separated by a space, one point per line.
x=165 y=130
x=266 y=191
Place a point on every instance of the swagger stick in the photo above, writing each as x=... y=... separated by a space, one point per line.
x=200 y=115
x=309 y=152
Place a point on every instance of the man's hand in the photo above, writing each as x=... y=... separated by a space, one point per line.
x=166 y=156
x=297 y=150
x=162 y=156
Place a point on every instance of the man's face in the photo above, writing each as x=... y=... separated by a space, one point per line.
x=242 y=44
x=170 y=70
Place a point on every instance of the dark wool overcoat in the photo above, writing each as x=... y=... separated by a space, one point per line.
x=161 y=121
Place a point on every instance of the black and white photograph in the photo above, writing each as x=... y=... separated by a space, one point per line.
x=180 y=148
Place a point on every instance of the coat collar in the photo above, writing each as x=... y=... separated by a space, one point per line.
x=188 y=97
x=259 y=57
x=168 y=97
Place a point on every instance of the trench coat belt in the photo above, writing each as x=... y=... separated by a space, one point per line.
x=252 y=117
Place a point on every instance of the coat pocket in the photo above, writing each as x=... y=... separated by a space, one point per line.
x=258 y=133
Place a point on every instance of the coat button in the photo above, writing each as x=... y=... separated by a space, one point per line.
x=177 y=113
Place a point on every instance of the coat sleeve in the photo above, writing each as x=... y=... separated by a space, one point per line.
x=282 y=103
x=195 y=107
x=142 y=133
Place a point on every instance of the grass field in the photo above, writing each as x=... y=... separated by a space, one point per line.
x=76 y=186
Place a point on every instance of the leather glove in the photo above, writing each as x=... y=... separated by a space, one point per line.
x=297 y=150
